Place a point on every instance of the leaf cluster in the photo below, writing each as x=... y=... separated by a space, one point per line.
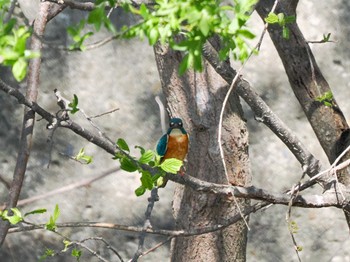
x=148 y=165
x=17 y=216
x=282 y=21
x=187 y=24
x=97 y=18
x=326 y=99
x=13 y=39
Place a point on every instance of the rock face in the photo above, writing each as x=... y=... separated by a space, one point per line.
x=123 y=74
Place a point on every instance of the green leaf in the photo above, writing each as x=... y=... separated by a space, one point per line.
x=36 y=211
x=13 y=219
x=19 y=69
x=285 y=32
x=246 y=33
x=153 y=36
x=272 y=18
x=146 y=157
x=123 y=145
x=289 y=19
x=74 y=104
x=127 y=165
x=96 y=17
x=56 y=213
x=76 y=253
x=146 y=180
x=142 y=150
x=171 y=165
x=82 y=156
x=140 y=191
x=66 y=243
x=51 y=225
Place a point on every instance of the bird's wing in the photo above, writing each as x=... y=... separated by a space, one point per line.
x=162 y=145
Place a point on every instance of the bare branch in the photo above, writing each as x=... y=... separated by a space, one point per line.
x=262 y=111
x=28 y=119
x=175 y=233
x=85 y=6
x=66 y=188
x=147 y=224
x=331 y=198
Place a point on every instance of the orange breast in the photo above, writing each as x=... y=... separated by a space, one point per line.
x=177 y=147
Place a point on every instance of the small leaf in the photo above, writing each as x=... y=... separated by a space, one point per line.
x=123 y=145
x=96 y=17
x=19 y=69
x=285 y=32
x=171 y=165
x=56 y=213
x=76 y=253
x=127 y=165
x=74 y=104
x=146 y=157
x=246 y=33
x=146 y=180
x=142 y=150
x=36 y=211
x=153 y=36
x=140 y=191
x=160 y=181
x=272 y=18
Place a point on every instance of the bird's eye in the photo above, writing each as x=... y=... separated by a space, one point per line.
x=171 y=124
x=180 y=124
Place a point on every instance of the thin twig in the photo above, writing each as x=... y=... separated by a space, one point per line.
x=71 y=186
x=147 y=224
x=105 y=113
x=10 y=11
x=108 y=245
x=156 y=246
x=165 y=232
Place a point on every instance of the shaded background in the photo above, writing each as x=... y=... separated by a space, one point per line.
x=123 y=74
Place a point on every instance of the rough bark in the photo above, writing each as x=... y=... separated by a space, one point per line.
x=197 y=98
x=308 y=83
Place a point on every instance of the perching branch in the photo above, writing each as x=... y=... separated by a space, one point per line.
x=330 y=199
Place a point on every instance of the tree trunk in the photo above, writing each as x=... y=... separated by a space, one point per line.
x=308 y=83
x=197 y=98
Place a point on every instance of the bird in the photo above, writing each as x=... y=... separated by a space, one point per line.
x=173 y=144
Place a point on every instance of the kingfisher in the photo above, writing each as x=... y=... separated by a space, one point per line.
x=173 y=144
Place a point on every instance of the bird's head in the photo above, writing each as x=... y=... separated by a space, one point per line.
x=175 y=124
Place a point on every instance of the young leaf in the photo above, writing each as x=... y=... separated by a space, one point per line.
x=272 y=18
x=123 y=145
x=76 y=253
x=171 y=165
x=127 y=165
x=74 y=104
x=51 y=225
x=36 y=211
x=146 y=157
x=146 y=180
x=142 y=150
x=19 y=69
x=140 y=191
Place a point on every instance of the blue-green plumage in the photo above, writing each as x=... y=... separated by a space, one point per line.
x=162 y=145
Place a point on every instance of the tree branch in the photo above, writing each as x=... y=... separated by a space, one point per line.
x=28 y=119
x=262 y=111
x=331 y=199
